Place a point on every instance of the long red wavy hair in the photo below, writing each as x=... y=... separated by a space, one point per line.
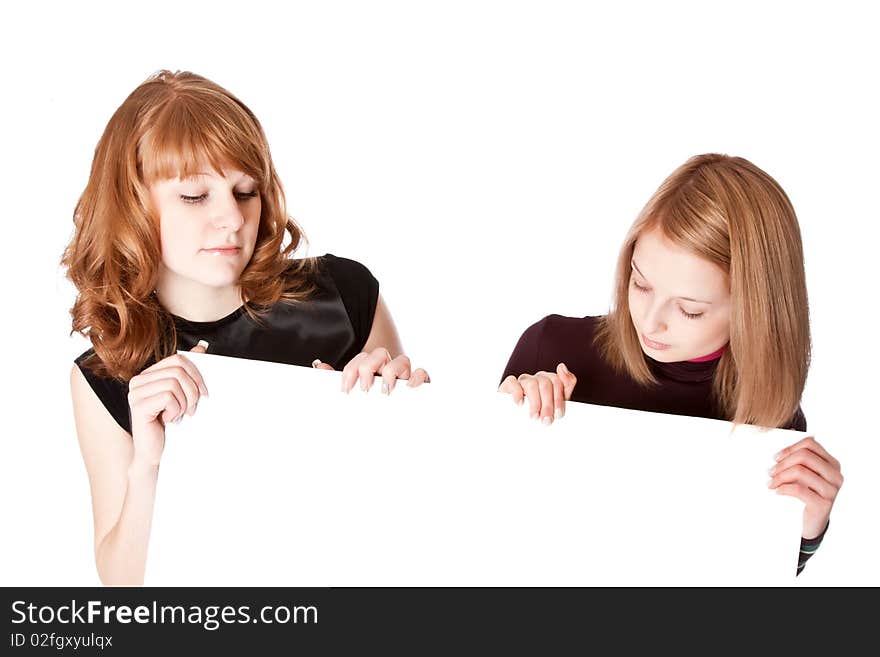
x=167 y=127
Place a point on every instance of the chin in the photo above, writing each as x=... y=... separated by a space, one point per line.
x=220 y=276
x=223 y=282
x=219 y=281
x=664 y=356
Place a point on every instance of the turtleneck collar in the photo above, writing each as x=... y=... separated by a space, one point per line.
x=694 y=370
x=714 y=355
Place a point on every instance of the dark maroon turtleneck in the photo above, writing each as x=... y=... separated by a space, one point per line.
x=713 y=356
x=685 y=387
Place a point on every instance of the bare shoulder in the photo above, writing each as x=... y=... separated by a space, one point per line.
x=85 y=401
x=90 y=415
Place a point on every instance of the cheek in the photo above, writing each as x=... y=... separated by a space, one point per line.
x=252 y=216
x=722 y=329
x=636 y=301
x=178 y=236
x=251 y=229
x=714 y=331
x=167 y=238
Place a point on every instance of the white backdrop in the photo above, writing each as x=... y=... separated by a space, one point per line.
x=483 y=159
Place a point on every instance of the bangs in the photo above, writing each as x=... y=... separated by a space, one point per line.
x=190 y=134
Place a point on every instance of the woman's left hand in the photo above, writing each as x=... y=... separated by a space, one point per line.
x=366 y=365
x=806 y=471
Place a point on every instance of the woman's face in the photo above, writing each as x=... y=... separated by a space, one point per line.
x=208 y=226
x=677 y=299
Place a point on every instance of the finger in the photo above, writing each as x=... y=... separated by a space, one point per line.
x=171 y=410
x=163 y=396
x=371 y=365
x=812 y=461
x=165 y=401
x=545 y=386
x=512 y=387
x=810 y=443
x=417 y=378
x=798 y=474
x=201 y=347
x=804 y=494
x=529 y=385
x=399 y=368
x=318 y=365
x=350 y=371
x=179 y=360
x=569 y=380
x=558 y=397
x=184 y=382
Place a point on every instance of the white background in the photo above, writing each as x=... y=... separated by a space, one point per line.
x=483 y=159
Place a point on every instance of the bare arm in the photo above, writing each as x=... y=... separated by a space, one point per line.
x=383 y=332
x=123 y=468
x=122 y=492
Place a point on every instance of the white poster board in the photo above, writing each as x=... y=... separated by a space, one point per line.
x=280 y=479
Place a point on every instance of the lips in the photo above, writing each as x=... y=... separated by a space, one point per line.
x=223 y=249
x=653 y=344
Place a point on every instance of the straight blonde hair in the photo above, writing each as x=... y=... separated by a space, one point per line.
x=734 y=215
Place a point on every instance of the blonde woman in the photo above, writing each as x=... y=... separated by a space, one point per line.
x=179 y=244
x=710 y=320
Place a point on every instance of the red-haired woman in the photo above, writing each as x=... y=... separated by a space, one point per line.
x=179 y=245
x=710 y=320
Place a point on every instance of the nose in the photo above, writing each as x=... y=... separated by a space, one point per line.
x=228 y=215
x=654 y=319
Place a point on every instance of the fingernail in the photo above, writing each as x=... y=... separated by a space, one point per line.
x=178 y=419
x=769 y=483
x=777 y=456
x=203 y=343
x=546 y=420
x=772 y=471
x=558 y=413
x=384 y=388
x=316 y=362
x=533 y=416
x=564 y=368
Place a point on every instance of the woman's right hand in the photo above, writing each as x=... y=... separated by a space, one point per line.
x=547 y=392
x=162 y=393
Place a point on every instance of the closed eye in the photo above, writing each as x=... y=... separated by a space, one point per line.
x=244 y=196
x=683 y=312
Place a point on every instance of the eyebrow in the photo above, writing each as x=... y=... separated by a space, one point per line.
x=244 y=176
x=633 y=263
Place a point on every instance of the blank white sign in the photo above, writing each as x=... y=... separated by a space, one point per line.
x=280 y=479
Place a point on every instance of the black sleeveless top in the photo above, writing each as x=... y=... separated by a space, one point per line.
x=333 y=325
